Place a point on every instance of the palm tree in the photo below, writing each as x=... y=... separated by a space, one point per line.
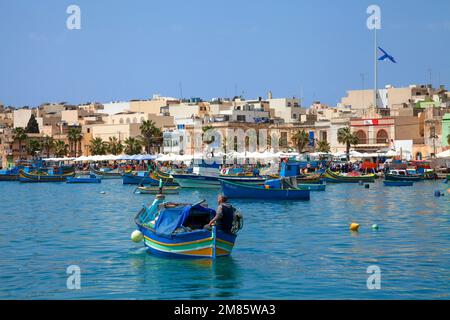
x=115 y=147
x=151 y=135
x=323 y=146
x=60 y=148
x=33 y=147
x=300 y=139
x=132 y=146
x=98 y=146
x=74 y=135
x=20 y=135
x=48 y=143
x=345 y=136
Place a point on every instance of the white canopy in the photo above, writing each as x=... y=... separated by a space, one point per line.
x=444 y=155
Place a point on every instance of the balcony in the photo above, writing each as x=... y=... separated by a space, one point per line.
x=372 y=143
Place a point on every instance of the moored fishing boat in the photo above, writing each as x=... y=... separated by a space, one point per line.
x=203 y=176
x=156 y=190
x=401 y=175
x=270 y=191
x=335 y=177
x=243 y=179
x=39 y=176
x=113 y=174
x=9 y=175
x=177 y=230
x=148 y=178
x=399 y=183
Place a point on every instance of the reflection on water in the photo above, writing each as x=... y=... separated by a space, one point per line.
x=294 y=250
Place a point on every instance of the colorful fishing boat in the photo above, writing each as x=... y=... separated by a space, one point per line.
x=156 y=190
x=398 y=183
x=143 y=177
x=401 y=175
x=336 y=177
x=243 y=179
x=177 y=231
x=203 y=176
x=269 y=191
x=84 y=179
x=9 y=175
x=40 y=176
x=104 y=174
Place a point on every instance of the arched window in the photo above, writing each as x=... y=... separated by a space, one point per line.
x=121 y=121
x=419 y=156
x=142 y=119
x=128 y=121
x=362 y=137
x=382 y=136
x=134 y=120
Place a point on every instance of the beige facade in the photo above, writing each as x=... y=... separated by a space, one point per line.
x=120 y=131
x=139 y=117
x=287 y=109
x=152 y=106
x=21 y=117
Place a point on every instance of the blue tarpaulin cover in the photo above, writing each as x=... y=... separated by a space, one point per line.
x=171 y=219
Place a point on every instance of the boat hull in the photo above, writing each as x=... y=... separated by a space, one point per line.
x=312 y=187
x=192 y=245
x=9 y=177
x=105 y=175
x=332 y=177
x=242 y=191
x=83 y=180
x=155 y=190
x=243 y=179
x=197 y=181
x=392 y=177
x=130 y=178
x=28 y=177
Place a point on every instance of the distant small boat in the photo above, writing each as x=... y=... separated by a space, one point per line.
x=43 y=176
x=335 y=177
x=81 y=179
x=196 y=181
x=143 y=177
x=9 y=175
x=247 y=191
x=398 y=183
x=155 y=190
x=113 y=174
x=402 y=177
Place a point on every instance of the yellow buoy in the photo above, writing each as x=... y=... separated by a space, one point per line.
x=137 y=236
x=354 y=227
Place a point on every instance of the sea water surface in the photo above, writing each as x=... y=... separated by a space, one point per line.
x=287 y=250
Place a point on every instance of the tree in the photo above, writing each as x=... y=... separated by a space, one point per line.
x=115 y=147
x=323 y=146
x=98 y=146
x=32 y=126
x=33 y=147
x=74 y=135
x=300 y=139
x=20 y=135
x=448 y=139
x=345 y=136
x=132 y=146
x=48 y=143
x=60 y=149
x=151 y=135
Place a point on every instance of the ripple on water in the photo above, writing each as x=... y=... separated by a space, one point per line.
x=293 y=250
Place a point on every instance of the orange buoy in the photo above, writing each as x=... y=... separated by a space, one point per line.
x=354 y=227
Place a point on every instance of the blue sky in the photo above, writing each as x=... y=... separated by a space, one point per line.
x=132 y=49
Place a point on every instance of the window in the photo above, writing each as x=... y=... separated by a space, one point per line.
x=121 y=121
x=362 y=137
x=134 y=120
x=128 y=121
x=88 y=130
x=240 y=118
x=294 y=116
x=382 y=136
x=283 y=139
x=323 y=136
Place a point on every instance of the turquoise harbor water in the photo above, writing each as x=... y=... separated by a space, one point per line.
x=287 y=250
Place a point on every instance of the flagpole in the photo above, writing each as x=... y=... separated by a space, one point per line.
x=376 y=71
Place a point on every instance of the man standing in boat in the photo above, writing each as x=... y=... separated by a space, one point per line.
x=224 y=215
